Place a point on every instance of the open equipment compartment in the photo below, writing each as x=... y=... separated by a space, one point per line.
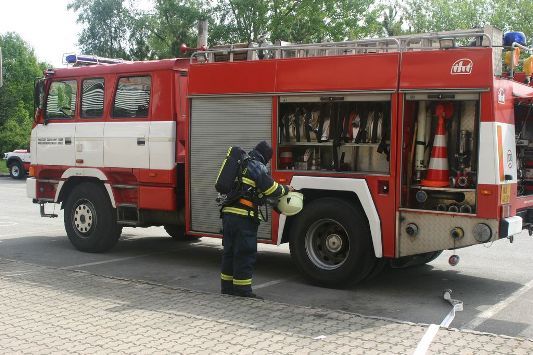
x=340 y=133
x=523 y=111
x=439 y=159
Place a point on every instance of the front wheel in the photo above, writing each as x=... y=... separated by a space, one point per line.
x=90 y=219
x=16 y=170
x=330 y=243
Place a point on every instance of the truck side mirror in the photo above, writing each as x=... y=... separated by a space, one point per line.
x=38 y=97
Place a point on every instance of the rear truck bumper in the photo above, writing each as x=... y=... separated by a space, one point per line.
x=423 y=232
x=527 y=219
x=510 y=226
x=31 y=188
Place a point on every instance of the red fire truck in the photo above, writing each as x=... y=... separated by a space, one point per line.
x=403 y=147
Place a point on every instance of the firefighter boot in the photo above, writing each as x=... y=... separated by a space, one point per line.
x=247 y=294
x=226 y=284
x=244 y=290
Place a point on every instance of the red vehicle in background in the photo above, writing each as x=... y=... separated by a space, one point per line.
x=403 y=147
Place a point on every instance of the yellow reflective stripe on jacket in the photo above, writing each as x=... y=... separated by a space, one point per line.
x=242 y=282
x=226 y=277
x=272 y=188
x=239 y=211
x=248 y=181
x=282 y=190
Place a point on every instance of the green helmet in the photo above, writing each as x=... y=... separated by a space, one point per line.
x=291 y=204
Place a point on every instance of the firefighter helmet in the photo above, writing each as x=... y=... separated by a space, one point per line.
x=291 y=204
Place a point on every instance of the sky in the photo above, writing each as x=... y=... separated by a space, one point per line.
x=46 y=25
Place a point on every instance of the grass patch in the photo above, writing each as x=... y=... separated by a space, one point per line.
x=3 y=166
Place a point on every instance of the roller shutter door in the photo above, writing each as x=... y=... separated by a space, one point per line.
x=216 y=124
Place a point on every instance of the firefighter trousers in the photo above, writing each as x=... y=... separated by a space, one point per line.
x=238 y=257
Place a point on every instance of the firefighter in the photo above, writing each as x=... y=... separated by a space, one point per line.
x=241 y=219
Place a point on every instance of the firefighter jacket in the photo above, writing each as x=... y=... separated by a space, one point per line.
x=256 y=186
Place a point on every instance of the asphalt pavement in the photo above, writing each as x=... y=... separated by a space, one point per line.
x=495 y=281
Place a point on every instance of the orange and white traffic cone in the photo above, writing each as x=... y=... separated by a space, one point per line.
x=438 y=174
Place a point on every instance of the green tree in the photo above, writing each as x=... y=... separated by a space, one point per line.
x=140 y=31
x=392 y=18
x=173 y=23
x=16 y=96
x=115 y=28
x=292 y=20
x=106 y=27
x=446 y=15
x=239 y=20
x=514 y=15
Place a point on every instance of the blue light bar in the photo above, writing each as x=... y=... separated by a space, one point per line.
x=510 y=37
x=89 y=60
x=71 y=58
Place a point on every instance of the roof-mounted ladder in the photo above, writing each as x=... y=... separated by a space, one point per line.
x=486 y=37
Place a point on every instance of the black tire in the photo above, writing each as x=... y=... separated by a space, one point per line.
x=381 y=264
x=330 y=242
x=90 y=219
x=433 y=256
x=414 y=260
x=178 y=233
x=16 y=170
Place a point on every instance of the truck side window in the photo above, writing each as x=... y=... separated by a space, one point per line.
x=132 y=98
x=92 y=98
x=61 y=101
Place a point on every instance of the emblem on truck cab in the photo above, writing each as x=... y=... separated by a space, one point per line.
x=462 y=66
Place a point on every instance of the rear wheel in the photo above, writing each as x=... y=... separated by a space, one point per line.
x=16 y=170
x=90 y=219
x=378 y=268
x=330 y=243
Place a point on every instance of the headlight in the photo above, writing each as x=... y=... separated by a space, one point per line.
x=482 y=233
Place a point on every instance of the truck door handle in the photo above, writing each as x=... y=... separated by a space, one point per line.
x=141 y=141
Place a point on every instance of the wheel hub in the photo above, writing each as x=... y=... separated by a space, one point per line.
x=83 y=218
x=327 y=244
x=15 y=171
x=334 y=243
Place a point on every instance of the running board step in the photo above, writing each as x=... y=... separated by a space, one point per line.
x=44 y=214
x=128 y=214
x=128 y=223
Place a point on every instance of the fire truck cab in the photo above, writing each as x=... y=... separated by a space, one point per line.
x=403 y=147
